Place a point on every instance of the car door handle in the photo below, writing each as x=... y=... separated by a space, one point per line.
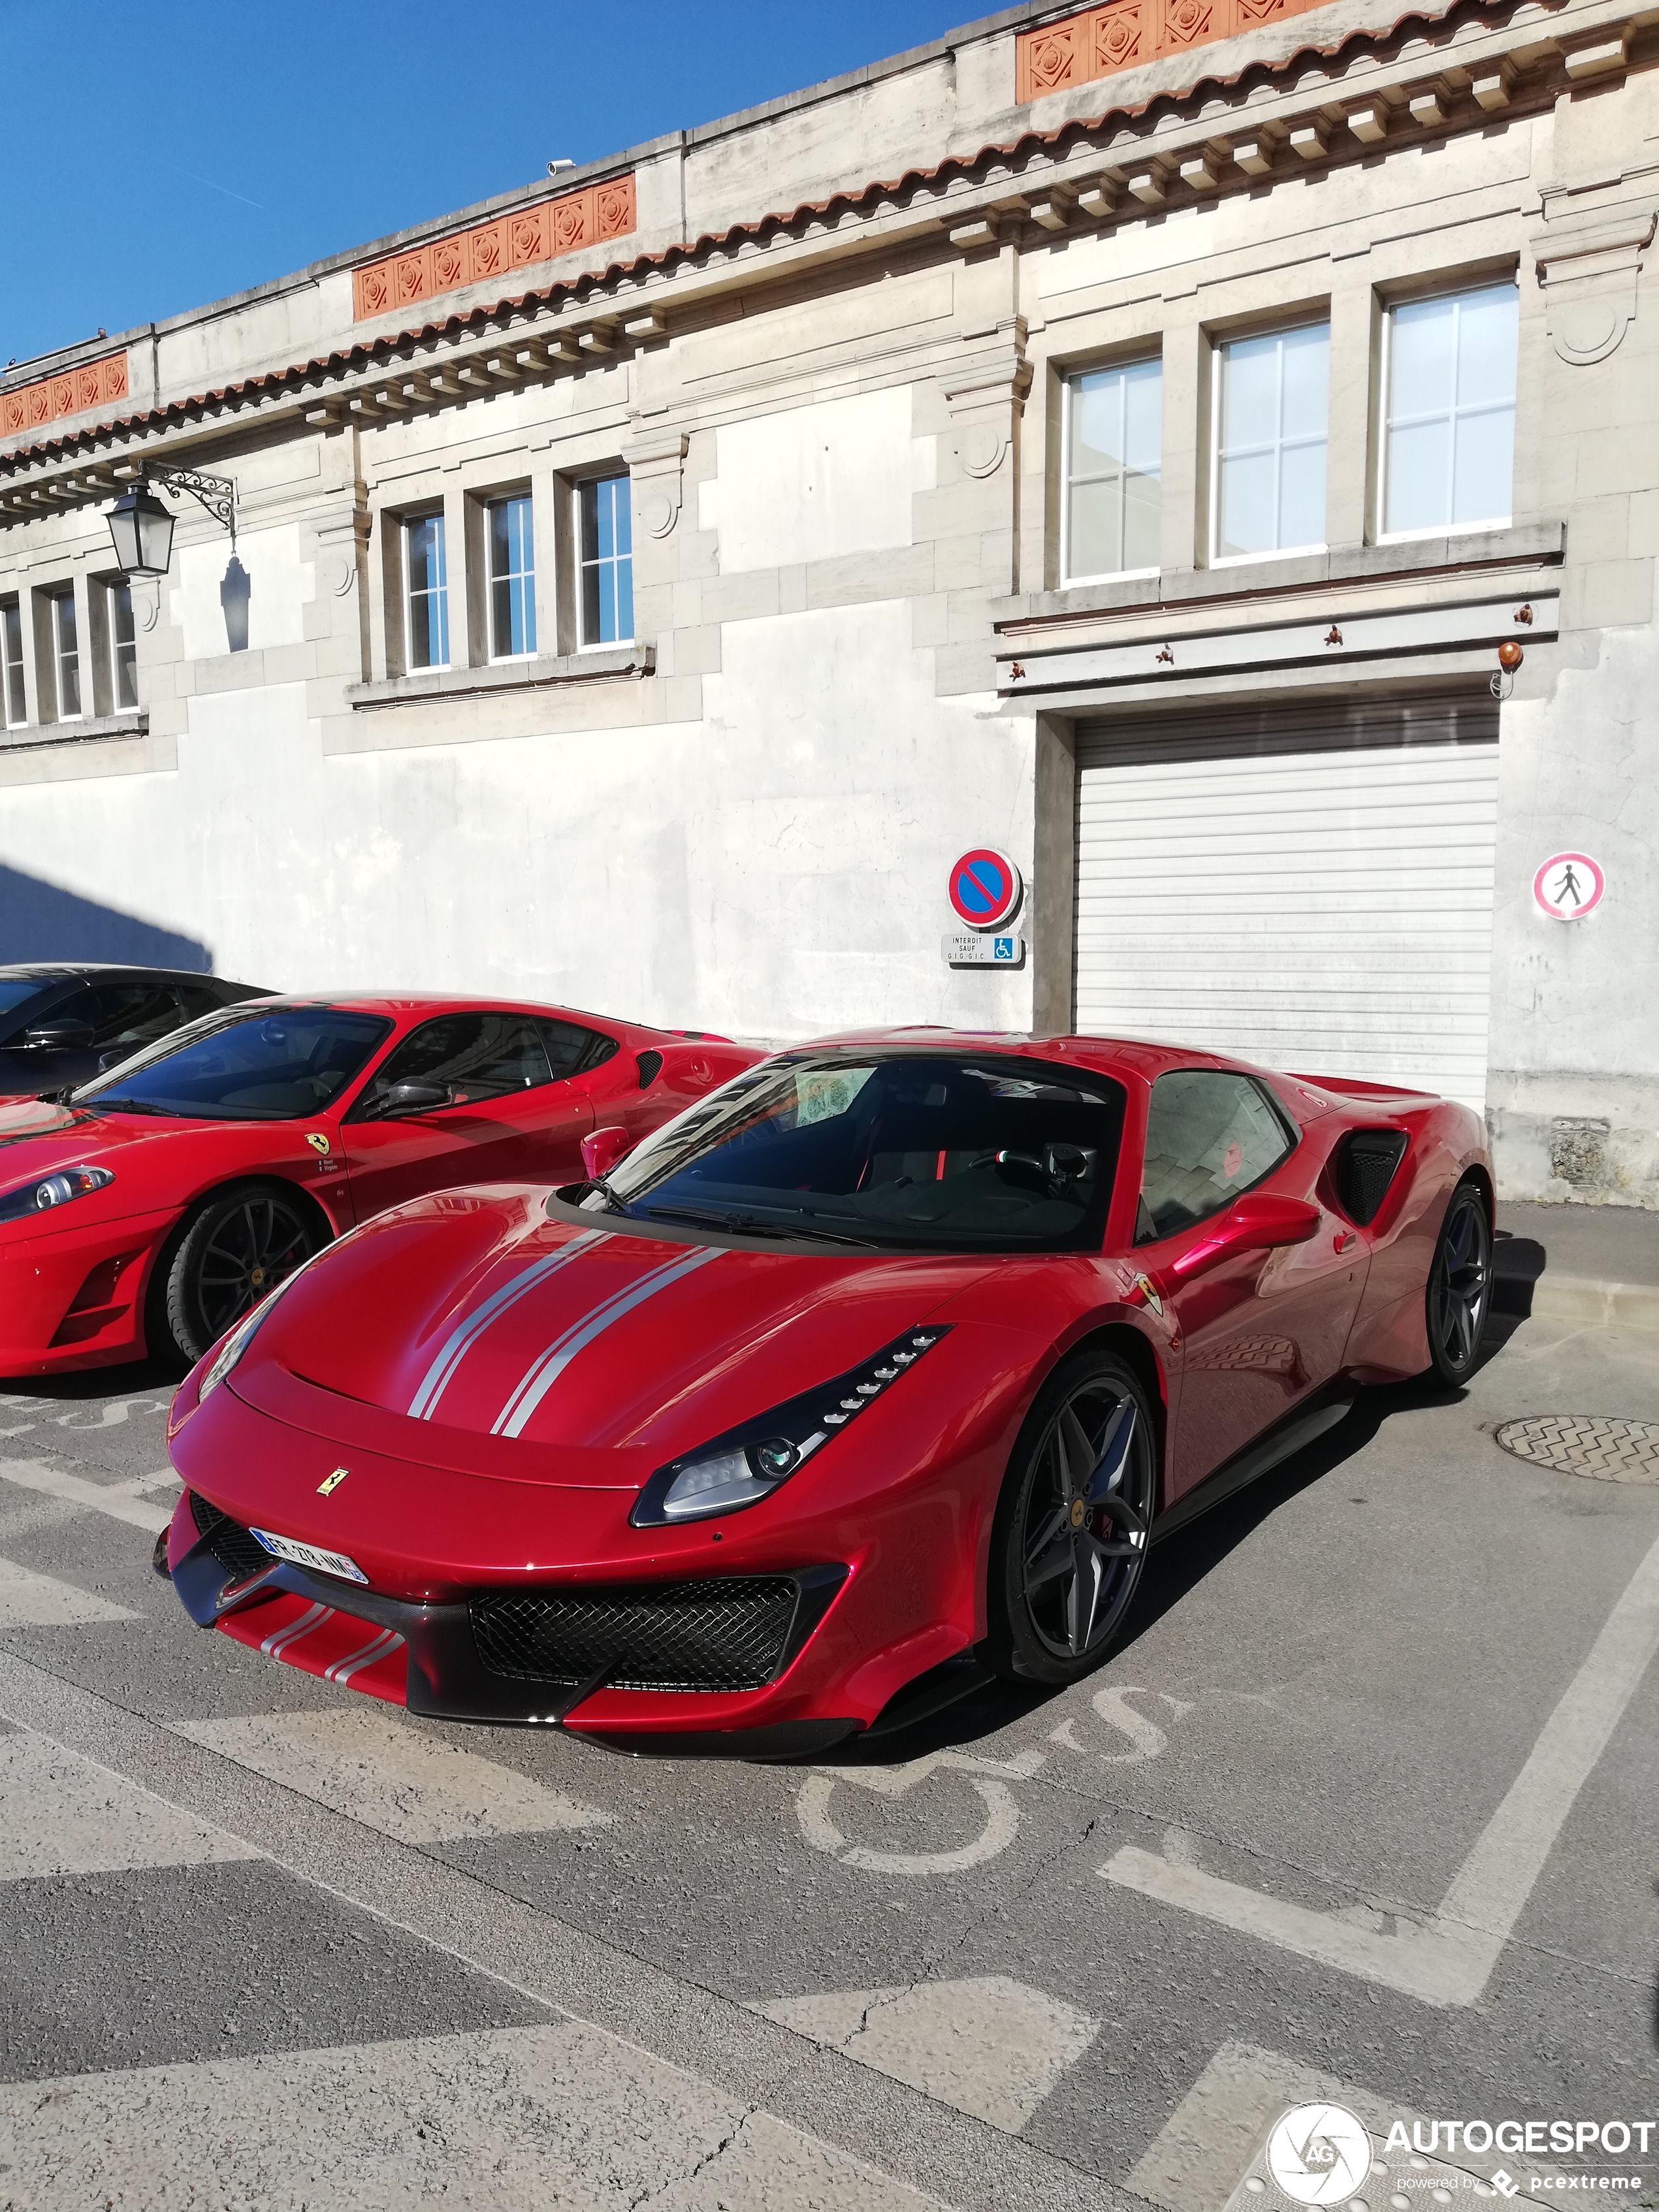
x=1344 y=1240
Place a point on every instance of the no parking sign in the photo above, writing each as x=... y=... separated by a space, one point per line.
x=985 y=887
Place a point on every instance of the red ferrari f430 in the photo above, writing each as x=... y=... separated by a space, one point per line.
x=150 y=1209
x=888 y=1358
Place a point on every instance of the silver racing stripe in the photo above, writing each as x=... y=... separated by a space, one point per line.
x=276 y=1644
x=378 y=1647
x=552 y=1362
x=437 y=1377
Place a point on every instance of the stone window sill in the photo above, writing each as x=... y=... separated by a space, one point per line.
x=1443 y=554
x=83 y=729
x=544 y=673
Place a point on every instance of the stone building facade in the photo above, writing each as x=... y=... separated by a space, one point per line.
x=1122 y=437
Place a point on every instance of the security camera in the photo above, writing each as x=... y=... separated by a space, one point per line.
x=554 y=168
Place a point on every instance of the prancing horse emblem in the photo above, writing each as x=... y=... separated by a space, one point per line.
x=331 y=1483
x=317 y=1140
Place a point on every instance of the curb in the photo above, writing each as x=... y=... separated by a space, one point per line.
x=1595 y=1304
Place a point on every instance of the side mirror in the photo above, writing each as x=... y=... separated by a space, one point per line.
x=1260 y=1221
x=58 y=1037
x=410 y=1098
x=602 y=1149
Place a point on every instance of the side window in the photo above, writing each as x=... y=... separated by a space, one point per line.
x=572 y=1049
x=128 y=1014
x=199 y=999
x=470 y=1056
x=1209 y=1135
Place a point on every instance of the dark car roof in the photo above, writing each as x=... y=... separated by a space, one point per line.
x=59 y=971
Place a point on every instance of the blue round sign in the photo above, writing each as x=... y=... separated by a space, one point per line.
x=985 y=888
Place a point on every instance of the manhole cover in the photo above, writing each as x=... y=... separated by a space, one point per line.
x=1583 y=1443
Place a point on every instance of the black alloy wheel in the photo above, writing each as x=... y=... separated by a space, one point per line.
x=235 y=1252
x=1460 y=1286
x=1074 y=1521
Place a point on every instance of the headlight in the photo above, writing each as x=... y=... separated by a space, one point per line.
x=243 y=1334
x=747 y=1464
x=55 y=1189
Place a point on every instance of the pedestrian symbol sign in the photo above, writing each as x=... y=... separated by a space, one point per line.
x=1569 y=886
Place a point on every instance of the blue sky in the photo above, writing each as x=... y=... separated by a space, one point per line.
x=166 y=153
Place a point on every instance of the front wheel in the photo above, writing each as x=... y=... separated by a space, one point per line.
x=1460 y=1287
x=1072 y=1530
x=233 y=1254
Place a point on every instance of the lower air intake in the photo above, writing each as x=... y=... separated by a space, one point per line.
x=236 y=1551
x=661 y=1635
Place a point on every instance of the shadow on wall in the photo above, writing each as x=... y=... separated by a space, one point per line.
x=39 y=921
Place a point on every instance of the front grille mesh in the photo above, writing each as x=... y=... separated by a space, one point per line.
x=661 y=1635
x=228 y=1541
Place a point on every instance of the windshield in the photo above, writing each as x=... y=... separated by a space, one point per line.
x=907 y=1152
x=17 y=991
x=253 y=1066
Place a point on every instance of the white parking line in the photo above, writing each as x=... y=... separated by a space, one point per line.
x=988 y=2046
x=32 y=1600
x=564 y=2114
x=379 y=1770
x=122 y=1501
x=1450 y=1961
x=65 y=1816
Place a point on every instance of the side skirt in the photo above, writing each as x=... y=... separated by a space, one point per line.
x=1303 y=1426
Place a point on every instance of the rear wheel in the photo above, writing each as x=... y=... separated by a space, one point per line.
x=242 y=1243
x=1460 y=1287
x=1071 y=1529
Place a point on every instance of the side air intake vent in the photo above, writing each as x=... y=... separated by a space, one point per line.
x=1365 y=1166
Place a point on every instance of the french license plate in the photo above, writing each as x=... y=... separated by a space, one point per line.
x=310 y=1555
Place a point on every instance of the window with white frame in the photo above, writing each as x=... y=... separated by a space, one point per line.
x=1449 y=422
x=16 y=696
x=426 y=592
x=511 y=560
x=122 y=648
x=1272 y=396
x=1113 y=451
x=66 y=653
x=606 y=529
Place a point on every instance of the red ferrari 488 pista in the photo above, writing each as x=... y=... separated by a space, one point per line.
x=890 y=1356
x=150 y=1209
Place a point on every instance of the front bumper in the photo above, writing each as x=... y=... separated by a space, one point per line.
x=74 y=1294
x=624 y=1644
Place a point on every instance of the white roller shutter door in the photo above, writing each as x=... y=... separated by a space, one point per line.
x=1328 y=911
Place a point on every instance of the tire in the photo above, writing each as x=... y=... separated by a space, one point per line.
x=238 y=1247
x=1070 y=1539
x=1459 y=1293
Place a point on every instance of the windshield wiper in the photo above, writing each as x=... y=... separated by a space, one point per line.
x=745 y=1225
x=56 y=1098
x=602 y=1184
x=133 y=1106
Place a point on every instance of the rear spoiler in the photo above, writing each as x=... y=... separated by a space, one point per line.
x=1348 y=1086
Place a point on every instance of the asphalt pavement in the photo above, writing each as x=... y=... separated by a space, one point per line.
x=1361 y=1811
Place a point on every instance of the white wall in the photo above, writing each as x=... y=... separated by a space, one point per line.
x=776 y=869
x=810 y=484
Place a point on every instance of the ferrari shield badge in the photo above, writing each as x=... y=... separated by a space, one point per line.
x=318 y=1139
x=331 y=1483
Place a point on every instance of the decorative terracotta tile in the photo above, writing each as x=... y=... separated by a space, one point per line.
x=490 y=250
x=69 y=391
x=1124 y=33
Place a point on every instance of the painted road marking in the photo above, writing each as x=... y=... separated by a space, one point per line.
x=1450 y=1961
x=32 y=1600
x=564 y=2114
x=65 y=1816
x=987 y=1776
x=1210 y=2150
x=987 y=2045
x=122 y=1501
x=379 y=1770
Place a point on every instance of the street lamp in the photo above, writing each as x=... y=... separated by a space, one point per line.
x=141 y=531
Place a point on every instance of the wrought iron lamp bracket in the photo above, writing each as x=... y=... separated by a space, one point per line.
x=216 y=494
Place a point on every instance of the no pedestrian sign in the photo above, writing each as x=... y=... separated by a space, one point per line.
x=1569 y=886
x=985 y=888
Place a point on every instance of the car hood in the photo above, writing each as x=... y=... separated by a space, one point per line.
x=36 y=1137
x=543 y=1351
